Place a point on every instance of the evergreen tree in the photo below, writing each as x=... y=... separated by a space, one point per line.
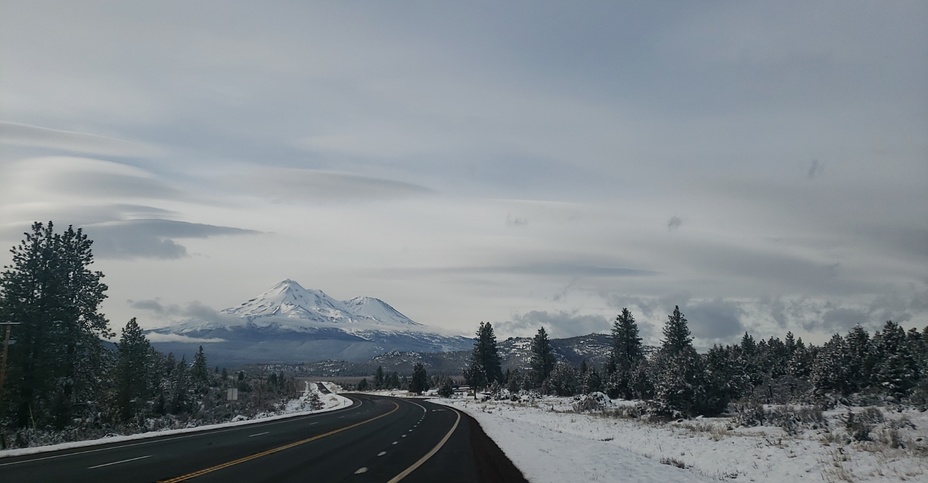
x=133 y=375
x=420 y=379
x=379 y=378
x=829 y=369
x=563 y=381
x=679 y=378
x=859 y=359
x=56 y=357
x=485 y=367
x=199 y=372
x=542 y=360
x=179 y=401
x=626 y=353
x=362 y=386
x=897 y=369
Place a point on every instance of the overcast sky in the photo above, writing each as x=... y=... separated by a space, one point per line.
x=763 y=165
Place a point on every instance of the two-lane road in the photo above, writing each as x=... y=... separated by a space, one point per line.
x=377 y=439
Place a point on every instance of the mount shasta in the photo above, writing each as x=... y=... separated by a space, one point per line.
x=289 y=323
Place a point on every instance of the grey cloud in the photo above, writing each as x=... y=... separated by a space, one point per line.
x=555 y=269
x=715 y=320
x=674 y=223
x=75 y=142
x=111 y=184
x=152 y=238
x=558 y=324
x=301 y=185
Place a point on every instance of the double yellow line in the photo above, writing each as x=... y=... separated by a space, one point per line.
x=278 y=449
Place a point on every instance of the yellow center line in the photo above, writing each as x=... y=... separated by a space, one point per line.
x=278 y=449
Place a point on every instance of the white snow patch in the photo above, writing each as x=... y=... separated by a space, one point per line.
x=550 y=442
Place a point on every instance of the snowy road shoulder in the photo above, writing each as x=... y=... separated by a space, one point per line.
x=295 y=407
x=544 y=454
x=551 y=442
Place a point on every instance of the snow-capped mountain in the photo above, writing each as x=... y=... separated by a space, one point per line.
x=289 y=323
x=288 y=299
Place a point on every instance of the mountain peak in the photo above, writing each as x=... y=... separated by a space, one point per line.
x=288 y=299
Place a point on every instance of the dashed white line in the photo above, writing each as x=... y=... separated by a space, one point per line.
x=381 y=453
x=258 y=434
x=118 y=462
x=361 y=470
x=395 y=442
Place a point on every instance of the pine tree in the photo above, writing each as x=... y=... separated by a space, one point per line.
x=199 y=372
x=679 y=378
x=859 y=359
x=379 y=378
x=56 y=358
x=542 y=360
x=829 y=369
x=133 y=375
x=362 y=385
x=563 y=381
x=626 y=353
x=485 y=367
x=420 y=379
x=897 y=369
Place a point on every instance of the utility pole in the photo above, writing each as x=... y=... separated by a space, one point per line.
x=6 y=348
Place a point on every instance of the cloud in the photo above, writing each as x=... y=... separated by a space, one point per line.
x=674 y=223
x=151 y=238
x=158 y=337
x=17 y=134
x=557 y=324
x=714 y=320
x=291 y=185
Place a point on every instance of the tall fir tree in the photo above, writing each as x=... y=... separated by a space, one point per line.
x=485 y=367
x=625 y=355
x=134 y=373
x=679 y=379
x=542 y=359
x=56 y=357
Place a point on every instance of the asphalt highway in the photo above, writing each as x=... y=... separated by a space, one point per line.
x=378 y=439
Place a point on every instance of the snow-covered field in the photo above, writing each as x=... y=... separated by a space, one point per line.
x=550 y=442
x=294 y=407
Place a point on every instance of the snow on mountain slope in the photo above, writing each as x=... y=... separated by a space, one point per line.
x=289 y=299
x=379 y=310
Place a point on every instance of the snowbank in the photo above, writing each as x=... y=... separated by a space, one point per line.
x=550 y=442
x=294 y=407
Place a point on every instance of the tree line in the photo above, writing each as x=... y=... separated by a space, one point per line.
x=63 y=380
x=889 y=366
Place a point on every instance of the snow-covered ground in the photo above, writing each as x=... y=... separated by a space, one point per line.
x=294 y=407
x=550 y=442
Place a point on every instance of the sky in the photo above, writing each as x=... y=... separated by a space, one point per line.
x=763 y=165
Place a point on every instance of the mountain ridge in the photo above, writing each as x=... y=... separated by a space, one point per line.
x=289 y=323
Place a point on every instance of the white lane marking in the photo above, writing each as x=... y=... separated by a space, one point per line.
x=317 y=422
x=258 y=434
x=395 y=442
x=403 y=436
x=425 y=458
x=361 y=470
x=381 y=453
x=117 y=462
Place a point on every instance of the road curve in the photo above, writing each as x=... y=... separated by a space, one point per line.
x=377 y=439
